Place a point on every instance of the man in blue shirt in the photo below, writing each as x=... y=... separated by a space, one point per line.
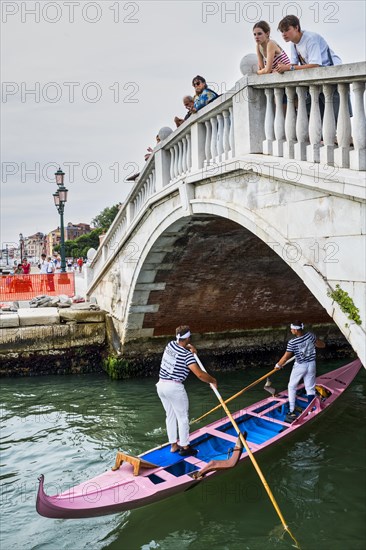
x=203 y=95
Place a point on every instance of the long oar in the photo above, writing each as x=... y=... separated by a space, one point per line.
x=250 y=454
x=241 y=391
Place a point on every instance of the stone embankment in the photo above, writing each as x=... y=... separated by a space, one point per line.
x=80 y=339
x=51 y=340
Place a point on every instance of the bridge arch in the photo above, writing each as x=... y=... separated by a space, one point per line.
x=178 y=276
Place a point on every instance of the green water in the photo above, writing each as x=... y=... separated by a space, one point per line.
x=69 y=428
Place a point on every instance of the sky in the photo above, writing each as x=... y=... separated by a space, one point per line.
x=87 y=85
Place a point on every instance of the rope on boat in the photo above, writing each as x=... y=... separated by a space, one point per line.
x=251 y=456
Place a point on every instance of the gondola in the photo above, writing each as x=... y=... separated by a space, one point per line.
x=158 y=474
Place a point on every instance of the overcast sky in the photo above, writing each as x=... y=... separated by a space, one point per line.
x=87 y=86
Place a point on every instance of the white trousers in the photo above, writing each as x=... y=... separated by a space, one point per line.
x=175 y=402
x=307 y=371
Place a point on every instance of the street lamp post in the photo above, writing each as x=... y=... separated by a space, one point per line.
x=60 y=198
x=21 y=246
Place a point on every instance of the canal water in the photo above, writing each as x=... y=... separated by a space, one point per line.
x=69 y=428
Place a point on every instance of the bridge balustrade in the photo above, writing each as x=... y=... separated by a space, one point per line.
x=299 y=130
x=219 y=135
x=180 y=156
x=251 y=119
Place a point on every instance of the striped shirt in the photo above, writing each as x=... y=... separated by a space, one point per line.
x=281 y=57
x=303 y=347
x=175 y=362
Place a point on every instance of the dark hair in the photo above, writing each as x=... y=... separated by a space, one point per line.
x=262 y=25
x=297 y=323
x=43 y=255
x=200 y=78
x=289 y=21
x=182 y=329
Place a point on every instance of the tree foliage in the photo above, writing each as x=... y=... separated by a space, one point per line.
x=105 y=218
x=80 y=246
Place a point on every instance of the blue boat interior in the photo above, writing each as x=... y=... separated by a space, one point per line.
x=209 y=448
x=212 y=447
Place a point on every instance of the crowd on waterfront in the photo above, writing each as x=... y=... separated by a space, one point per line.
x=47 y=264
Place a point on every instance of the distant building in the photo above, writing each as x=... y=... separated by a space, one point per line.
x=73 y=231
x=34 y=246
x=53 y=239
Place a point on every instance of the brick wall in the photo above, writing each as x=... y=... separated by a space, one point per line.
x=225 y=278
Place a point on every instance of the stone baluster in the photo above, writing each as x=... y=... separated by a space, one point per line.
x=315 y=126
x=232 y=139
x=208 y=142
x=279 y=123
x=358 y=156
x=176 y=155
x=226 y=116
x=189 y=152
x=184 y=158
x=301 y=124
x=341 y=153
x=220 y=136
x=269 y=123
x=213 y=138
x=329 y=127
x=153 y=181
x=180 y=157
x=290 y=123
x=171 y=150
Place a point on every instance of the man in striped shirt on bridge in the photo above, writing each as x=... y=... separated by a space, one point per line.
x=303 y=347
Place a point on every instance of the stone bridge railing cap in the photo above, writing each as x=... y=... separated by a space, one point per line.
x=249 y=64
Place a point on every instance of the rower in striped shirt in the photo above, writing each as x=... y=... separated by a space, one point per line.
x=177 y=362
x=303 y=347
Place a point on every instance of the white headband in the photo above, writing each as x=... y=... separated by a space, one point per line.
x=183 y=336
x=297 y=327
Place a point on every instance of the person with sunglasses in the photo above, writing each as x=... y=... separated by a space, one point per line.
x=203 y=95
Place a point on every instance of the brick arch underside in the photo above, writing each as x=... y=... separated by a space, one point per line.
x=222 y=278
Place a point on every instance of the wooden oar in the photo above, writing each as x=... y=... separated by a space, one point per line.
x=250 y=454
x=241 y=391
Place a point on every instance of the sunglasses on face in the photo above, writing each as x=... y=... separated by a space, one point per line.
x=197 y=83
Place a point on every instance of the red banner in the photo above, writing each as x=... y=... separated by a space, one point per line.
x=26 y=287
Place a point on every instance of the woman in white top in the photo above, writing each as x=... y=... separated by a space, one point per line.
x=269 y=53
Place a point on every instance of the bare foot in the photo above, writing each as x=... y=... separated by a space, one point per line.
x=174 y=448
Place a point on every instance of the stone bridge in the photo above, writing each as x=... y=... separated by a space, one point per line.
x=246 y=216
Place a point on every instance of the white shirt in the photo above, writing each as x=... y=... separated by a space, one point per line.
x=50 y=267
x=44 y=265
x=314 y=50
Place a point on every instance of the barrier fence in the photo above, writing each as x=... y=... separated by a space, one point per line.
x=26 y=287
